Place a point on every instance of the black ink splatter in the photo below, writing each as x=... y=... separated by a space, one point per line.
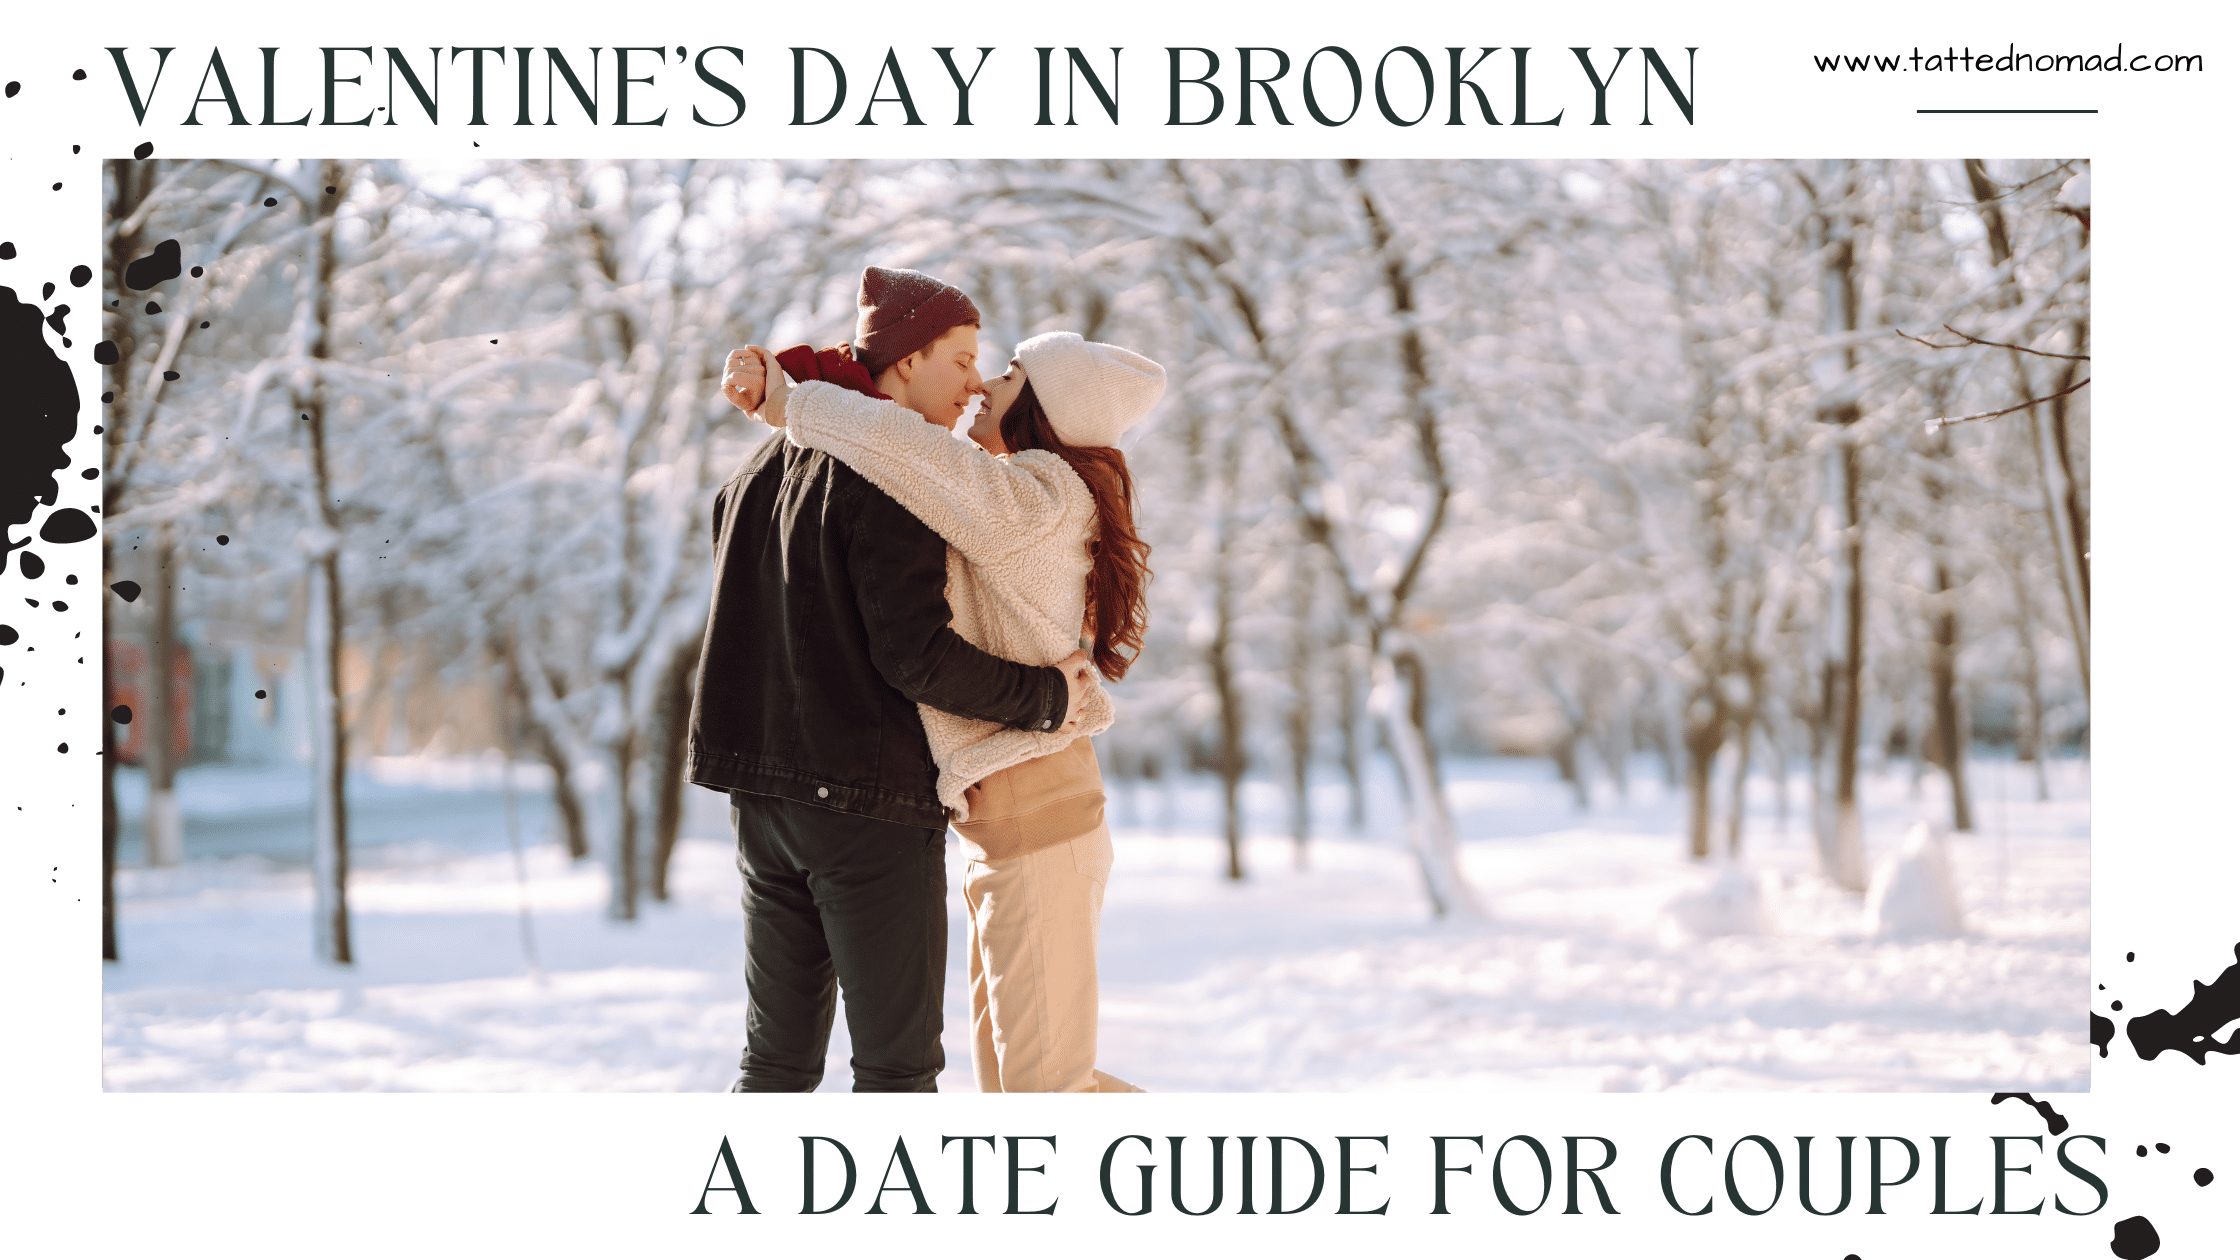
x=33 y=566
x=7 y=635
x=270 y=202
x=14 y=87
x=67 y=525
x=143 y=149
x=90 y=473
x=80 y=276
x=196 y=273
x=260 y=693
x=38 y=415
x=108 y=395
x=59 y=606
x=2189 y=1030
x=78 y=75
x=7 y=249
x=71 y=579
x=2103 y=1029
x=223 y=540
x=121 y=715
x=2135 y=1239
x=171 y=376
x=105 y=353
x=127 y=590
x=62 y=748
x=2202 y=1176
x=2141 y=1152
x=2162 y=1148
x=2056 y=1123
x=161 y=264
x=55 y=317
x=152 y=308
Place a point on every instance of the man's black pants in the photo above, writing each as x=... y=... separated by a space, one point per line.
x=840 y=896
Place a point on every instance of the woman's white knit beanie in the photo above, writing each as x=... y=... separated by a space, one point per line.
x=1091 y=391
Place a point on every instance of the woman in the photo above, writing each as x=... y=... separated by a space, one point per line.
x=1044 y=558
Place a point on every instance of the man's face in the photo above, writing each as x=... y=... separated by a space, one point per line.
x=944 y=377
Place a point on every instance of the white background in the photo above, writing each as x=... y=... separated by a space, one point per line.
x=563 y=1175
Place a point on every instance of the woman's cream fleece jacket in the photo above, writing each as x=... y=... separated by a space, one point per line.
x=1018 y=531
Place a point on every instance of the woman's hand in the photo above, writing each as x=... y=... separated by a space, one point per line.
x=1077 y=669
x=775 y=389
x=754 y=383
x=745 y=378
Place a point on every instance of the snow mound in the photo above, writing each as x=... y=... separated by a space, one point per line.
x=1913 y=893
x=1731 y=903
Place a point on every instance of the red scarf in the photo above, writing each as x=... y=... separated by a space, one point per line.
x=836 y=365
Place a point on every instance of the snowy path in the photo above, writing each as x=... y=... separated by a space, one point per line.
x=1330 y=978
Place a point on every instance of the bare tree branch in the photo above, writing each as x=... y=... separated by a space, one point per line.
x=1972 y=340
x=1939 y=422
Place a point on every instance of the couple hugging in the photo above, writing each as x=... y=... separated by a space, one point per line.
x=907 y=633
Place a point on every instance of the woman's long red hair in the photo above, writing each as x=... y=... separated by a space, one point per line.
x=1118 y=572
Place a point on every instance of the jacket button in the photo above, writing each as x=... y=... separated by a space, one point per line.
x=823 y=792
x=1046 y=724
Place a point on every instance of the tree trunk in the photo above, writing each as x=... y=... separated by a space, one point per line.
x=1229 y=759
x=1299 y=718
x=164 y=842
x=2065 y=508
x=1349 y=734
x=618 y=754
x=673 y=731
x=2030 y=739
x=1702 y=755
x=323 y=619
x=330 y=835
x=1779 y=749
x=1614 y=734
x=1430 y=826
x=1380 y=612
x=1566 y=752
x=566 y=801
x=2056 y=481
x=1952 y=734
x=1837 y=824
x=1944 y=634
x=108 y=780
x=1738 y=795
x=130 y=184
x=565 y=798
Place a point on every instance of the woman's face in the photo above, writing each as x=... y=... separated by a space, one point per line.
x=987 y=423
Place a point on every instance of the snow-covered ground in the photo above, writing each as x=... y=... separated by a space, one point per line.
x=1330 y=977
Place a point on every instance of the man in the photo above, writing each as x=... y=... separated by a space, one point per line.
x=828 y=627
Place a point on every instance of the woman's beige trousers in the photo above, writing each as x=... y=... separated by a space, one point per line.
x=1032 y=946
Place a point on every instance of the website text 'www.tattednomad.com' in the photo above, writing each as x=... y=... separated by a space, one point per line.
x=1967 y=59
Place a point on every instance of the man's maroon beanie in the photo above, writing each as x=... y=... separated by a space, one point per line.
x=901 y=312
